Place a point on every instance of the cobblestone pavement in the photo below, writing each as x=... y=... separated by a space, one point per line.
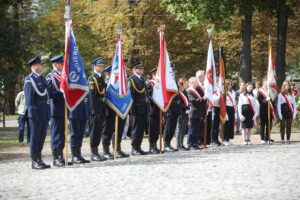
x=231 y=172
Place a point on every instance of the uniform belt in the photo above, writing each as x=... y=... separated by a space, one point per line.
x=43 y=102
x=140 y=100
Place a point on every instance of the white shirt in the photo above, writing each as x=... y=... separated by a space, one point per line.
x=99 y=74
x=281 y=100
x=138 y=76
x=228 y=100
x=243 y=100
x=216 y=99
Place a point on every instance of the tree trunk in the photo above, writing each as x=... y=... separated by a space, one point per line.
x=281 y=42
x=246 y=31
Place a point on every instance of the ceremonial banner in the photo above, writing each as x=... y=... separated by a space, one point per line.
x=165 y=87
x=222 y=100
x=117 y=95
x=271 y=73
x=210 y=75
x=73 y=80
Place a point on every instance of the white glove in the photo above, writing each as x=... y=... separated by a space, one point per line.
x=268 y=99
x=227 y=118
x=280 y=116
x=242 y=118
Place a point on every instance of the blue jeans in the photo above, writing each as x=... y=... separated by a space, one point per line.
x=22 y=120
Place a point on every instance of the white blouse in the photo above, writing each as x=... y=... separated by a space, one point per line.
x=244 y=101
x=281 y=100
x=228 y=100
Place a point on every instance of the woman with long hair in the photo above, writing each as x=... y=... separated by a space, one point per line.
x=286 y=107
x=247 y=110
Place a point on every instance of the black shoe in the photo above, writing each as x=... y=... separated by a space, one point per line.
x=135 y=152
x=153 y=149
x=41 y=161
x=120 y=153
x=169 y=149
x=35 y=164
x=75 y=157
x=80 y=156
x=194 y=148
x=141 y=151
x=57 y=161
x=95 y=155
x=107 y=154
x=182 y=148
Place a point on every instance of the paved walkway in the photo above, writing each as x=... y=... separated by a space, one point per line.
x=233 y=172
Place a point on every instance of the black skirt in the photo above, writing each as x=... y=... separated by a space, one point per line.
x=285 y=112
x=248 y=114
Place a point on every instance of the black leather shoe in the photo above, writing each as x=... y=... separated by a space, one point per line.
x=194 y=148
x=169 y=149
x=41 y=161
x=95 y=155
x=80 y=156
x=135 y=152
x=75 y=158
x=107 y=154
x=35 y=164
x=141 y=151
x=182 y=148
x=57 y=161
x=122 y=154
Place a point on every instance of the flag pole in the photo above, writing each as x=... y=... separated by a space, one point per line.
x=206 y=105
x=225 y=92
x=269 y=114
x=119 y=32
x=67 y=17
x=160 y=130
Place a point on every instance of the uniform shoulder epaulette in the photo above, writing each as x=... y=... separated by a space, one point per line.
x=27 y=79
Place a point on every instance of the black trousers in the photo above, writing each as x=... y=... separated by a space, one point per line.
x=153 y=128
x=138 y=129
x=108 y=129
x=121 y=125
x=96 y=126
x=229 y=124
x=285 y=126
x=216 y=124
x=181 y=129
x=264 y=127
x=202 y=127
x=170 y=126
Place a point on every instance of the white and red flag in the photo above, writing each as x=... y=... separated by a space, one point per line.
x=271 y=73
x=222 y=90
x=210 y=74
x=165 y=88
x=73 y=83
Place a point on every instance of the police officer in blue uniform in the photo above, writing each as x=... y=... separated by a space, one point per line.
x=97 y=87
x=37 y=102
x=109 y=127
x=138 y=109
x=78 y=121
x=57 y=103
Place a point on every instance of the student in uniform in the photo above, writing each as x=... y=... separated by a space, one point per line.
x=247 y=111
x=263 y=99
x=182 y=122
x=287 y=111
x=231 y=113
